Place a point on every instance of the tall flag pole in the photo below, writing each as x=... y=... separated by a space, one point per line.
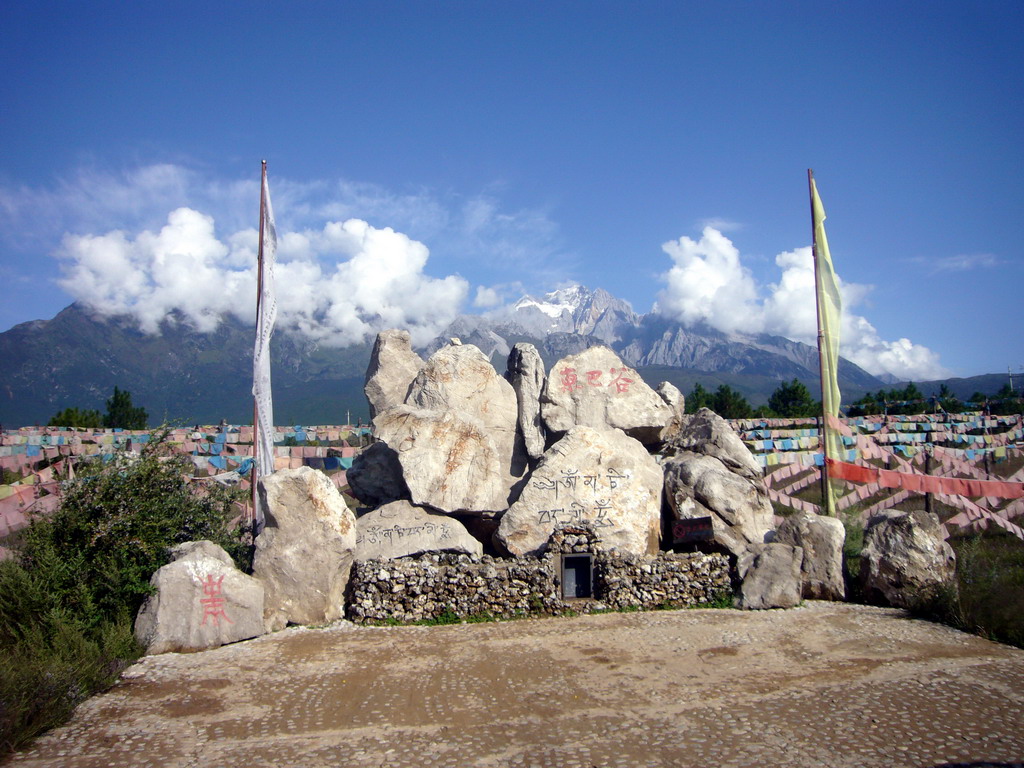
x=266 y=315
x=829 y=305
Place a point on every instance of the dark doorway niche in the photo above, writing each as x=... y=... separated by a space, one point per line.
x=577 y=576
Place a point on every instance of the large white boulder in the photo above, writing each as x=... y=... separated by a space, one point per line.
x=304 y=554
x=201 y=601
x=771 y=576
x=698 y=485
x=449 y=460
x=708 y=433
x=393 y=366
x=401 y=529
x=596 y=389
x=602 y=477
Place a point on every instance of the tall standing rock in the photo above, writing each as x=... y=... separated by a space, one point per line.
x=525 y=373
x=449 y=460
x=201 y=601
x=392 y=368
x=304 y=554
x=602 y=477
x=821 y=539
x=596 y=389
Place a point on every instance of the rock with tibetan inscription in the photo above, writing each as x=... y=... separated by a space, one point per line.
x=770 y=575
x=393 y=366
x=401 y=529
x=460 y=379
x=601 y=477
x=821 y=538
x=375 y=477
x=304 y=553
x=449 y=460
x=525 y=373
x=698 y=486
x=596 y=389
x=708 y=433
x=905 y=559
x=201 y=600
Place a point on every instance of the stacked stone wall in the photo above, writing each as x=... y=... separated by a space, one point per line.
x=429 y=586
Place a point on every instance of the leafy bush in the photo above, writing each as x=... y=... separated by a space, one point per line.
x=68 y=601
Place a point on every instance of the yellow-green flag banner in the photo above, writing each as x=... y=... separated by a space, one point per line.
x=830 y=306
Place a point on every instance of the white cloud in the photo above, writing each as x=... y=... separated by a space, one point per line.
x=486 y=297
x=708 y=283
x=963 y=262
x=338 y=285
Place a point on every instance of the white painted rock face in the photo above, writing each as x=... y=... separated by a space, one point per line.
x=596 y=389
x=604 y=478
x=392 y=368
x=201 y=601
x=702 y=486
x=304 y=554
x=401 y=529
x=449 y=461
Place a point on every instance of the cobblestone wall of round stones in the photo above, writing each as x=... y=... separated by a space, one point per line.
x=426 y=587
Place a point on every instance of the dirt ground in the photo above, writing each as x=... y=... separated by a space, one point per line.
x=820 y=685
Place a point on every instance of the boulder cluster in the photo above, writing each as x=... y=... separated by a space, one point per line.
x=479 y=486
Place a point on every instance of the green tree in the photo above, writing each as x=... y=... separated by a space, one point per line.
x=76 y=417
x=791 y=400
x=697 y=399
x=122 y=414
x=730 y=404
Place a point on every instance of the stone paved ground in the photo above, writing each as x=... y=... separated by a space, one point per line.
x=821 y=685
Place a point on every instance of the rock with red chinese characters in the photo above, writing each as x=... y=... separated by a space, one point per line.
x=821 y=538
x=449 y=460
x=525 y=372
x=596 y=389
x=393 y=366
x=708 y=433
x=700 y=486
x=602 y=477
x=304 y=554
x=460 y=379
x=401 y=529
x=201 y=601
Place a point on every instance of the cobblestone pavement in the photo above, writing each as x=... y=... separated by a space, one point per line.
x=820 y=685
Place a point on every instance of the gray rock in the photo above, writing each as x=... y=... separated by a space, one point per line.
x=602 y=477
x=201 y=601
x=376 y=476
x=673 y=398
x=698 y=485
x=448 y=459
x=905 y=557
x=596 y=389
x=400 y=529
x=771 y=576
x=708 y=433
x=821 y=539
x=393 y=366
x=526 y=374
x=304 y=554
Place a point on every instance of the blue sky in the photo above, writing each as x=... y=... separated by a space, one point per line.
x=430 y=158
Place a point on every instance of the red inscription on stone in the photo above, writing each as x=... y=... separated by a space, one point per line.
x=213 y=603
x=594 y=378
x=569 y=380
x=621 y=382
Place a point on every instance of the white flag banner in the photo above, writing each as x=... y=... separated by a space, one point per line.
x=266 y=316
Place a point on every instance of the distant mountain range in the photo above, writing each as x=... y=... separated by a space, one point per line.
x=182 y=376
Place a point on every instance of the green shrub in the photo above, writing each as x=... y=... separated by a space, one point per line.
x=67 y=602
